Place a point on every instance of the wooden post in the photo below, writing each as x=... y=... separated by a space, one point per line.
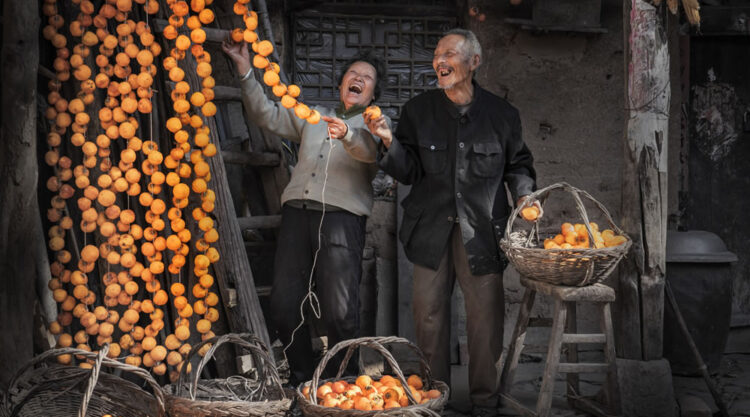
x=19 y=211
x=644 y=186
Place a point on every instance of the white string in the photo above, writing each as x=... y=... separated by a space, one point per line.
x=314 y=302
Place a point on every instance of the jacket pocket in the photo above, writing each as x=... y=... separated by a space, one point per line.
x=486 y=159
x=434 y=157
x=412 y=213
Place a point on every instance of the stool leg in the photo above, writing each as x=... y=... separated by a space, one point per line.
x=544 y=403
x=516 y=342
x=613 y=389
x=572 y=356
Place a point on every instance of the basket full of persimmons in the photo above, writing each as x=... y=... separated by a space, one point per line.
x=365 y=395
x=576 y=254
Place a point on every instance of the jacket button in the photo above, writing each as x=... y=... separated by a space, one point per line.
x=432 y=147
x=450 y=218
x=313 y=174
x=307 y=191
x=458 y=195
x=461 y=145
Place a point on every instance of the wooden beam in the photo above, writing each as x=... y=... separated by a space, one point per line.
x=47 y=73
x=221 y=92
x=588 y=368
x=264 y=290
x=584 y=338
x=19 y=211
x=257 y=159
x=259 y=222
x=540 y=322
x=644 y=187
x=509 y=401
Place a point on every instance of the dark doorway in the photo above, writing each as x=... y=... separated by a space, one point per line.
x=719 y=149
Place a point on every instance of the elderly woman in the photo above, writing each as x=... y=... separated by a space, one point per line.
x=335 y=177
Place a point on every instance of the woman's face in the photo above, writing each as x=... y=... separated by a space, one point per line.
x=358 y=84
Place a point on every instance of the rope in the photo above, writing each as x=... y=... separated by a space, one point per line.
x=314 y=302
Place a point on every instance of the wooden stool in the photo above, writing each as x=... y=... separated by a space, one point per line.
x=564 y=314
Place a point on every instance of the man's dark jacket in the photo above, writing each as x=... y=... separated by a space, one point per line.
x=486 y=147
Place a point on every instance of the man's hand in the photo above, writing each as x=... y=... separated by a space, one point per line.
x=238 y=53
x=528 y=212
x=379 y=127
x=337 y=128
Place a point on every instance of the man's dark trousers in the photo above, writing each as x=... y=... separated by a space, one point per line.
x=485 y=313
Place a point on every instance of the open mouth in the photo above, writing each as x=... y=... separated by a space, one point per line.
x=355 y=89
x=444 y=71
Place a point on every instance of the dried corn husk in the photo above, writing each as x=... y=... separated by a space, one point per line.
x=691 y=11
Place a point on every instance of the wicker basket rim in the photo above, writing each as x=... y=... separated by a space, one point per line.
x=100 y=360
x=576 y=192
x=257 y=348
x=377 y=344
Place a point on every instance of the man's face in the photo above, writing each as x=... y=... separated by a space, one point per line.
x=358 y=84
x=451 y=63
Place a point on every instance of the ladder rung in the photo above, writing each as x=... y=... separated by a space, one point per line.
x=263 y=290
x=584 y=338
x=212 y=34
x=582 y=367
x=259 y=222
x=540 y=322
x=257 y=159
x=223 y=92
x=263 y=244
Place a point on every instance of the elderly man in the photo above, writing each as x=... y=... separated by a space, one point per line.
x=332 y=176
x=458 y=146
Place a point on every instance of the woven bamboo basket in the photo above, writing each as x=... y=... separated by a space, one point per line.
x=572 y=267
x=233 y=396
x=432 y=408
x=42 y=388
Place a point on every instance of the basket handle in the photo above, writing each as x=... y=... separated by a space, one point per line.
x=91 y=383
x=408 y=412
x=579 y=204
x=375 y=343
x=259 y=351
x=100 y=359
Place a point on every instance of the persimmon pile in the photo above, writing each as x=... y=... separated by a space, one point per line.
x=366 y=394
x=576 y=236
x=132 y=199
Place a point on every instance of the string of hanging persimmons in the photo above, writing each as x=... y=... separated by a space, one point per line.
x=263 y=49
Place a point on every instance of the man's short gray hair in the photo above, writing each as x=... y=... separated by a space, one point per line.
x=471 y=46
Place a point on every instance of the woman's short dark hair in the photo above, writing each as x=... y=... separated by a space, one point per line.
x=373 y=59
